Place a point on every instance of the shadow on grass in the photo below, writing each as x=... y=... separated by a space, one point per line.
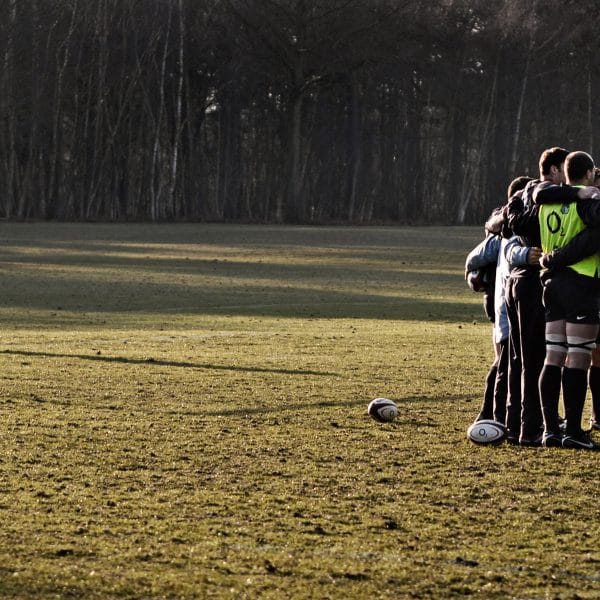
x=167 y=363
x=418 y=297
x=385 y=274
x=295 y=406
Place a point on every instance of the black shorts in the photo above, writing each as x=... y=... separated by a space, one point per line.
x=572 y=297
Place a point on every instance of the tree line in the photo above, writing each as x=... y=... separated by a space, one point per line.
x=310 y=111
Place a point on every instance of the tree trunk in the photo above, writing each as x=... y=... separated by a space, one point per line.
x=355 y=148
x=157 y=181
x=178 y=125
x=473 y=171
x=294 y=185
x=519 y=113
x=7 y=108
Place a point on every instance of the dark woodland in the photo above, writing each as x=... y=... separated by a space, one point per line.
x=287 y=111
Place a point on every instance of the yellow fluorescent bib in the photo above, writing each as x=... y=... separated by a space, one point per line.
x=559 y=224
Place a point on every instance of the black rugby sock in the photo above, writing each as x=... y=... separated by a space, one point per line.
x=594 y=383
x=549 y=395
x=574 y=382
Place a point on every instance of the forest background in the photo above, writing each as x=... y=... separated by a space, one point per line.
x=289 y=111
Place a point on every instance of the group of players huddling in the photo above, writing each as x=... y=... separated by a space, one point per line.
x=539 y=266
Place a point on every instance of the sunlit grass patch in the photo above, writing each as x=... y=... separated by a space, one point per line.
x=185 y=419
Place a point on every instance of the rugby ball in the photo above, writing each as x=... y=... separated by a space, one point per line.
x=486 y=431
x=475 y=281
x=481 y=280
x=382 y=410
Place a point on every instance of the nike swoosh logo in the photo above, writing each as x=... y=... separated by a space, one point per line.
x=580 y=318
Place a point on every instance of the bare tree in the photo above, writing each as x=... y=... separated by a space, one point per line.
x=286 y=110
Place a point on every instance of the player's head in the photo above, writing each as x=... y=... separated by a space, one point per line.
x=516 y=185
x=579 y=168
x=551 y=164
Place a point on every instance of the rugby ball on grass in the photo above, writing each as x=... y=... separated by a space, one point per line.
x=486 y=431
x=382 y=410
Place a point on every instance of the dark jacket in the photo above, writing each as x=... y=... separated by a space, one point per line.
x=522 y=217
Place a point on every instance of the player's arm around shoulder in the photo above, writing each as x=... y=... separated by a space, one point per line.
x=584 y=244
x=589 y=211
x=547 y=192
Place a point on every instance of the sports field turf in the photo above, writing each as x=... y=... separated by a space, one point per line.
x=183 y=416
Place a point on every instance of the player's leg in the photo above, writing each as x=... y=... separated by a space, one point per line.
x=533 y=350
x=513 y=400
x=487 y=408
x=501 y=384
x=581 y=341
x=550 y=380
x=594 y=385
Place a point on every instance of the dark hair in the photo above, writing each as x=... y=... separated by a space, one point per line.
x=552 y=157
x=517 y=184
x=577 y=164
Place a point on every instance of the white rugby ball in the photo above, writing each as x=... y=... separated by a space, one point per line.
x=382 y=410
x=486 y=431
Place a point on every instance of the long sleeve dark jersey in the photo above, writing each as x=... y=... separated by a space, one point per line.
x=522 y=219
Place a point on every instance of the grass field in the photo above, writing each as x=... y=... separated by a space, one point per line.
x=183 y=416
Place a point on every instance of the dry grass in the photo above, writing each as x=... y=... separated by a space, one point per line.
x=183 y=416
